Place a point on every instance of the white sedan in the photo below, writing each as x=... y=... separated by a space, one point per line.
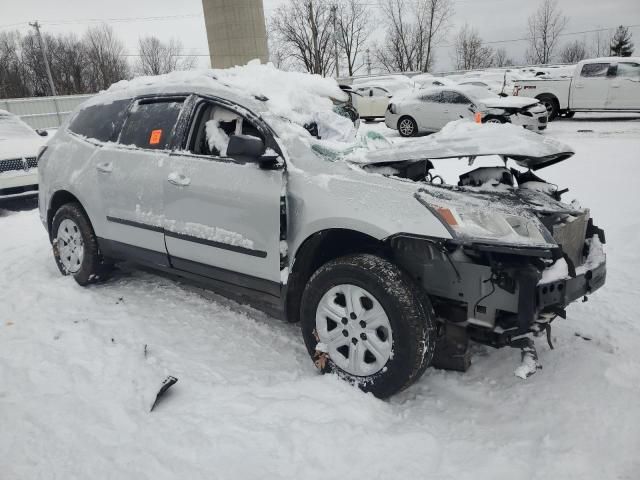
x=373 y=101
x=19 y=145
x=430 y=109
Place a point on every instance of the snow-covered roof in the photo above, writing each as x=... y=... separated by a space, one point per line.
x=256 y=87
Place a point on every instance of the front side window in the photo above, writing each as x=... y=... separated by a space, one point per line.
x=214 y=126
x=151 y=123
x=594 y=70
x=629 y=70
x=101 y=122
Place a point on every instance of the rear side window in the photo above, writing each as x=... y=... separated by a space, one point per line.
x=432 y=97
x=454 y=97
x=594 y=70
x=151 y=123
x=101 y=122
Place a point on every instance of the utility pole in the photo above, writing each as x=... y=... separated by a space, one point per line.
x=43 y=49
x=368 y=62
x=334 y=10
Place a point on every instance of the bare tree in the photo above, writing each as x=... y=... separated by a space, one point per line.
x=573 y=52
x=469 y=50
x=545 y=27
x=501 y=58
x=413 y=29
x=353 y=30
x=12 y=71
x=156 y=57
x=106 y=61
x=433 y=18
x=305 y=29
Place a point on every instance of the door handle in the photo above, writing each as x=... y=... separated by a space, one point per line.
x=106 y=167
x=178 y=179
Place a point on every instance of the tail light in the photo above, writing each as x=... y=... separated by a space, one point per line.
x=516 y=90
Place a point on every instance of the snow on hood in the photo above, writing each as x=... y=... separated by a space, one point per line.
x=20 y=147
x=508 y=102
x=464 y=138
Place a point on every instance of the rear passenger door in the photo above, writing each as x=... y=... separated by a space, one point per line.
x=430 y=113
x=223 y=215
x=131 y=175
x=456 y=106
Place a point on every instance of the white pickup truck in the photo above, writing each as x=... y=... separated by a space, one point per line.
x=610 y=84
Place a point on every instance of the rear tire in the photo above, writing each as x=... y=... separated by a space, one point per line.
x=494 y=119
x=389 y=324
x=75 y=246
x=407 y=127
x=551 y=104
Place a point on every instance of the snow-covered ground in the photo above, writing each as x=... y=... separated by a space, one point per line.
x=76 y=385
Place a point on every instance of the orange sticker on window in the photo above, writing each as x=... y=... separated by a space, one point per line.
x=155 y=137
x=478 y=117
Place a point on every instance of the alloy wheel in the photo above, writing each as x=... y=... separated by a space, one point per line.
x=70 y=245
x=355 y=329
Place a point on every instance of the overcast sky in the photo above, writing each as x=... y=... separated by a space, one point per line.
x=494 y=19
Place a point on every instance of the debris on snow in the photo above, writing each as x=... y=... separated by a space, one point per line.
x=166 y=385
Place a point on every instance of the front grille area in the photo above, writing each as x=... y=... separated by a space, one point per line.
x=542 y=119
x=18 y=164
x=570 y=234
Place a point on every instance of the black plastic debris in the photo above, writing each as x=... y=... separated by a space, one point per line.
x=166 y=385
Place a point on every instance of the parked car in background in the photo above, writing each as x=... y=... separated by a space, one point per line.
x=385 y=268
x=437 y=82
x=372 y=101
x=19 y=146
x=393 y=83
x=608 y=84
x=430 y=109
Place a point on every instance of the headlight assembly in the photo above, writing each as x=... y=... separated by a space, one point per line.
x=481 y=224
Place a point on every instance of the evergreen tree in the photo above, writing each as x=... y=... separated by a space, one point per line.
x=621 y=45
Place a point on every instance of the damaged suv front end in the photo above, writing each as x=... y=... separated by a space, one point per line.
x=518 y=255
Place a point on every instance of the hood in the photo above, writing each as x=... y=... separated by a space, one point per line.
x=20 y=147
x=466 y=139
x=508 y=102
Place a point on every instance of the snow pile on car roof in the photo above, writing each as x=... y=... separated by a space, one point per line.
x=294 y=95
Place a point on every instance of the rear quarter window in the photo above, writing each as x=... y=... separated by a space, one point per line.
x=101 y=122
x=151 y=124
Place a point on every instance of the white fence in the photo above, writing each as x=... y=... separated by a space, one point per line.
x=43 y=112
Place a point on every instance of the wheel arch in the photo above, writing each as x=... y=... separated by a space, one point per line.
x=320 y=248
x=58 y=199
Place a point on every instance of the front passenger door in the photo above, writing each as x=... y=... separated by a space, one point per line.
x=590 y=90
x=624 y=93
x=223 y=215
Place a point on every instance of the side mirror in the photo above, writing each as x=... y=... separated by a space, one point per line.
x=245 y=147
x=42 y=133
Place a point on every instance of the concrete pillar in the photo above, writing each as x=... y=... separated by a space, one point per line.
x=236 y=31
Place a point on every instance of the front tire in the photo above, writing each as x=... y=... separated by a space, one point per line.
x=389 y=324
x=407 y=127
x=75 y=246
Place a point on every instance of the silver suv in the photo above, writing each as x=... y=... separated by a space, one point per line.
x=388 y=269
